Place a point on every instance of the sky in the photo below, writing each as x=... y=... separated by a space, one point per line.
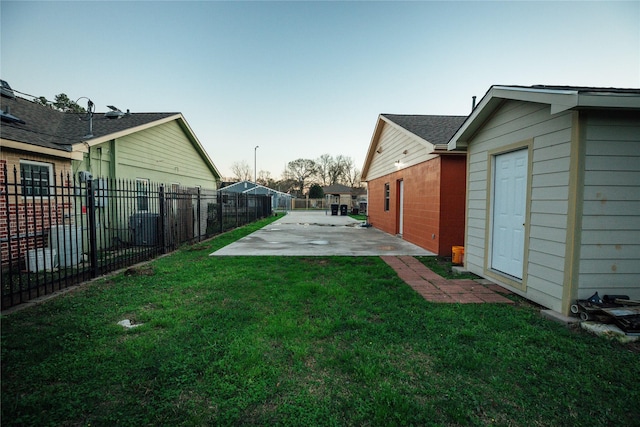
x=302 y=79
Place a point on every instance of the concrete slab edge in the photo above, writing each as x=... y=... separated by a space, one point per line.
x=559 y=318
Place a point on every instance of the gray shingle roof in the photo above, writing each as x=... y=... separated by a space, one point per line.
x=238 y=187
x=435 y=129
x=581 y=89
x=50 y=128
x=336 y=189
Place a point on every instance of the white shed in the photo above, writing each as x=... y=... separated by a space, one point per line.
x=553 y=191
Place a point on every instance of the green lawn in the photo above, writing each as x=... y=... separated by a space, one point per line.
x=300 y=341
x=358 y=217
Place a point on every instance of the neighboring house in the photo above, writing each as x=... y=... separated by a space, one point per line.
x=338 y=194
x=415 y=186
x=42 y=163
x=54 y=147
x=279 y=200
x=158 y=147
x=553 y=191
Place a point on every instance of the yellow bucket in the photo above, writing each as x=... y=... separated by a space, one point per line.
x=457 y=254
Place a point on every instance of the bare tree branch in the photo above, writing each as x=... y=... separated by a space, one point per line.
x=301 y=170
x=241 y=171
x=324 y=163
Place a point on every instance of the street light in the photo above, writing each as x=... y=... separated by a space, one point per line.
x=255 y=179
x=255 y=170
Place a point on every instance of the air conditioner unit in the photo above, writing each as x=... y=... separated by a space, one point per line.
x=144 y=228
x=66 y=241
x=41 y=259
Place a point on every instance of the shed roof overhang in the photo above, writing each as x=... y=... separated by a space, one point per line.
x=558 y=98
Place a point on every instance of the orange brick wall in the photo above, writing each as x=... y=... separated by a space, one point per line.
x=378 y=217
x=422 y=204
x=434 y=194
x=452 y=202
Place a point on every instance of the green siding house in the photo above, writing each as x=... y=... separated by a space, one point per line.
x=156 y=147
x=138 y=149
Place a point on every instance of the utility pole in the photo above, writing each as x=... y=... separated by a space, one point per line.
x=255 y=170
x=255 y=179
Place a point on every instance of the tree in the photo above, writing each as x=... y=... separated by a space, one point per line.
x=286 y=185
x=324 y=162
x=264 y=178
x=241 y=171
x=301 y=170
x=316 y=192
x=61 y=103
x=42 y=101
x=353 y=178
x=338 y=169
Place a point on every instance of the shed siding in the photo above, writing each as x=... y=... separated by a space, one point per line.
x=610 y=239
x=513 y=123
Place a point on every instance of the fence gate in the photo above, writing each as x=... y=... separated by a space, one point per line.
x=179 y=204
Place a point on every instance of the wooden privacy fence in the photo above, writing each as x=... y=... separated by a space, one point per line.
x=58 y=232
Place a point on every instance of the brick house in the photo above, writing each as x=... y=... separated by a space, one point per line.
x=32 y=166
x=416 y=188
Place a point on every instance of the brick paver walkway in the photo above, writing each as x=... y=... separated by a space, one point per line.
x=435 y=288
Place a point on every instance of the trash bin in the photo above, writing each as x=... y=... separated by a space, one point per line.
x=355 y=211
x=457 y=254
x=343 y=210
x=334 y=209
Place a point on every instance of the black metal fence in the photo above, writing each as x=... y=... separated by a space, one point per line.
x=56 y=233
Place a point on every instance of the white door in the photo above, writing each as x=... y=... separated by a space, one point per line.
x=509 y=207
x=400 y=207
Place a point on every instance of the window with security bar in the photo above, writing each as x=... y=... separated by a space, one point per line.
x=142 y=188
x=35 y=178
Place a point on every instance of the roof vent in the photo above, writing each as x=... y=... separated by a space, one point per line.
x=5 y=90
x=6 y=116
x=115 y=113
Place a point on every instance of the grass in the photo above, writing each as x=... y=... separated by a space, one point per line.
x=443 y=267
x=299 y=341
